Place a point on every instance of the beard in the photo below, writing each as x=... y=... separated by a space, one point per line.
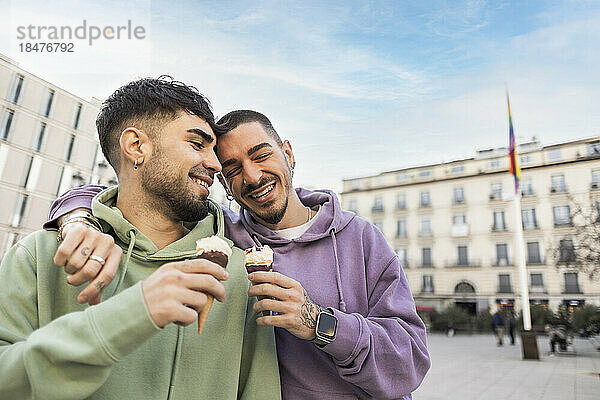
x=273 y=213
x=163 y=185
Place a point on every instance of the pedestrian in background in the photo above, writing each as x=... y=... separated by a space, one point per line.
x=498 y=321
x=511 y=327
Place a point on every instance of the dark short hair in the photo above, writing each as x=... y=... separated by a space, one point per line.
x=233 y=119
x=148 y=104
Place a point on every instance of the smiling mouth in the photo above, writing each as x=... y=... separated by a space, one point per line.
x=200 y=182
x=263 y=193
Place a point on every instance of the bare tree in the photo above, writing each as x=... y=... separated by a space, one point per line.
x=580 y=249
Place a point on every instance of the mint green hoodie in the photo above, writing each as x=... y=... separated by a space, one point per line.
x=51 y=347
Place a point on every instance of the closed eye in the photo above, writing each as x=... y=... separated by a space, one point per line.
x=262 y=157
x=232 y=172
x=197 y=146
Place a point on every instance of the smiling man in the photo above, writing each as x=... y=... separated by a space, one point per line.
x=138 y=343
x=344 y=317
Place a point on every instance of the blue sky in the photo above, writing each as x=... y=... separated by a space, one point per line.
x=358 y=87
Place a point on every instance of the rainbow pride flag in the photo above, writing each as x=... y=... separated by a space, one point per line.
x=515 y=170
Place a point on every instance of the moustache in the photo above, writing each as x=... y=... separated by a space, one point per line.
x=199 y=171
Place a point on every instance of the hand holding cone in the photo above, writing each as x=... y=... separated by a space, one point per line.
x=213 y=249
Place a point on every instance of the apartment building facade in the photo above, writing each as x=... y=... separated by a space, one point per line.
x=48 y=144
x=452 y=224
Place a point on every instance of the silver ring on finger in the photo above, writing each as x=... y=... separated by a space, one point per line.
x=98 y=259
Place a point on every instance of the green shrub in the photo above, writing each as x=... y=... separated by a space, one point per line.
x=483 y=321
x=540 y=316
x=586 y=317
x=453 y=315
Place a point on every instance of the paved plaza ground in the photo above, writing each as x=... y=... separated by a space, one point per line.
x=469 y=367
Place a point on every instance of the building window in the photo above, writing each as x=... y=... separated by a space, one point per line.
x=527 y=187
x=425 y=227
x=48 y=103
x=402 y=254
x=463 y=257
x=525 y=159
x=496 y=191
x=377 y=204
x=7 y=119
x=426 y=257
x=70 y=148
x=566 y=252
x=379 y=225
x=401 y=201
x=20 y=209
x=595 y=178
x=425 y=173
x=593 y=149
x=457 y=169
x=571 y=282
x=427 y=284
x=459 y=220
x=425 y=199
x=77 y=115
x=562 y=215
x=533 y=253
x=353 y=206
x=537 y=282
x=464 y=287
x=27 y=173
x=501 y=254
x=529 y=221
x=15 y=91
x=504 y=283
x=459 y=195
x=494 y=164
x=554 y=154
x=558 y=184
x=401 y=176
x=40 y=137
x=401 y=231
x=499 y=224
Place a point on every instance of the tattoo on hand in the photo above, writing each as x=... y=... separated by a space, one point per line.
x=100 y=285
x=309 y=312
x=85 y=251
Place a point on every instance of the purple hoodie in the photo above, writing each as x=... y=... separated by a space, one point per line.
x=343 y=262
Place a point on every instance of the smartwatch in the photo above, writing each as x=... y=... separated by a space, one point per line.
x=326 y=328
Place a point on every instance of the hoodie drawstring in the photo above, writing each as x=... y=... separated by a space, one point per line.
x=126 y=264
x=338 y=278
x=256 y=241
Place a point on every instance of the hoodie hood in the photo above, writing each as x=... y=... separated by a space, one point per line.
x=139 y=245
x=331 y=218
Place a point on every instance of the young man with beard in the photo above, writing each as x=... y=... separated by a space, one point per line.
x=140 y=341
x=344 y=317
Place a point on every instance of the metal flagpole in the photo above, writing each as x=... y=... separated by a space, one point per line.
x=528 y=337
x=520 y=260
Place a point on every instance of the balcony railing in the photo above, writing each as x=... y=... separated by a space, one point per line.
x=501 y=262
x=498 y=228
x=558 y=189
x=535 y=261
x=563 y=223
x=537 y=289
x=377 y=209
x=572 y=289
x=505 y=289
x=460 y=230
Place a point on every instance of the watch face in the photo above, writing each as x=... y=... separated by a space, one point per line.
x=327 y=325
